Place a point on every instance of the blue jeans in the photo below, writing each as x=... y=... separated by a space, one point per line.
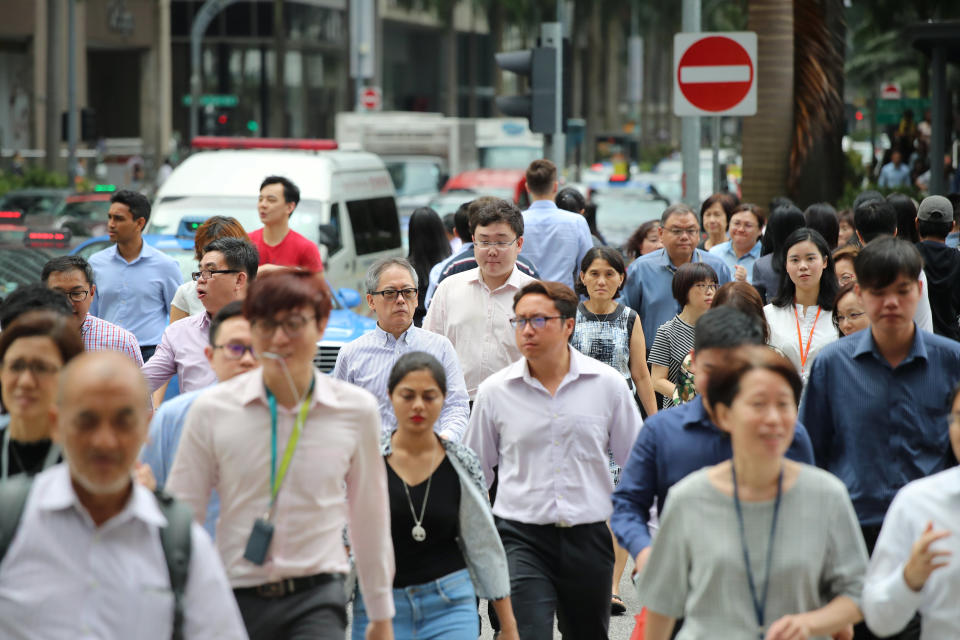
x=444 y=609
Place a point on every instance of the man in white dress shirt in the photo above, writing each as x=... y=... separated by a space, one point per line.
x=548 y=420
x=86 y=560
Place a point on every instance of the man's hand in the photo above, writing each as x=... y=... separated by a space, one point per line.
x=844 y=634
x=792 y=627
x=380 y=630
x=641 y=560
x=924 y=560
x=144 y=476
x=740 y=273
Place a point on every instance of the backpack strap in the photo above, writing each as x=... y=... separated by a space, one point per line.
x=175 y=540
x=13 y=498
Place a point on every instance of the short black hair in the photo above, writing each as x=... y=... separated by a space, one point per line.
x=569 y=199
x=906 y=216
x=137 y=203
x=883 y=261
x=726 y=328
x=238 y=254
x=449 y=222
x=866 y=196
x=33 y=297
x=611 y=256
x=461 y=222
x=232 y=309
x=933 y=229
x=678 y=209
x=874 y=218
x=823 y=217
x=417 y=361
x=62 y=264
x=563 y=297
x=688 y=275
x=498 y=211
x=291 y=192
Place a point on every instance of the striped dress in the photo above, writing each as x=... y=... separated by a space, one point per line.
x=673 y=342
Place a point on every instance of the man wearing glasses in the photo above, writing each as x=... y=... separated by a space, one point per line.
x=549 y=420
x=391 y=285
x=649 y=287
x=230 y=353
x=73 y=277
x=473 y=309
x=227 y=267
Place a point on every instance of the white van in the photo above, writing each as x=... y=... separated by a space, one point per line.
x=347 y=202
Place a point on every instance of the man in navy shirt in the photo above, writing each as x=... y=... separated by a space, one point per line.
x=681 y=440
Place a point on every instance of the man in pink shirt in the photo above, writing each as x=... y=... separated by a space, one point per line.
x=294 y=455
x=278 y=244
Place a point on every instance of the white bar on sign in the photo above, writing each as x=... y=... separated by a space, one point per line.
x=715 y=73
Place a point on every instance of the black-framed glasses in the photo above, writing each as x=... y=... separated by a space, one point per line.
x=77 y=295
x=707 y=286
x=38 y=368
x=206 y=274
x=495 y=244
x=390 y=295
x=537 y=322
x=235 y=350
x=292 y=325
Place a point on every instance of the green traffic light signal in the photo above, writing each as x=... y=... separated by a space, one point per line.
x=252 y=126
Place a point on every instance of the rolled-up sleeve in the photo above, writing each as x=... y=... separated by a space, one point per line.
x=369 y=512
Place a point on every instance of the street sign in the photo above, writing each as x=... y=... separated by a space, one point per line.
x=715 y=74
x=370 y=98
x=890 y=111
x=890 y=91
x=214 y=100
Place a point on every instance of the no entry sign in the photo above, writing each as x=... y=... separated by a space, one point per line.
x=715 y=74
x=370 y=98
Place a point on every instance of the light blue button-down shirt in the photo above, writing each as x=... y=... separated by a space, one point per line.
x=725 y=252
x=135 y=295
x=367 y=361
x=161 y=448
x=555 y=240
x=649 y=288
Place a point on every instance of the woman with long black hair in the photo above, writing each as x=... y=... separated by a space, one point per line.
x=428 y=242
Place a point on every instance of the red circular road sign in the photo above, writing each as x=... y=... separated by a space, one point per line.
x=370 y=98
x=715 y=73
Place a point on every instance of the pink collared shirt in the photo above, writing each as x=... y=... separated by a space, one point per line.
x=100 y=335
x=180 y=352
x=477 y=321
x=336 y=476
x=552 y=449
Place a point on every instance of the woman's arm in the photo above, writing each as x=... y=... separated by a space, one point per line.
x=176 y=313
x=638 y=369
x=825 y=621
x=661 y=383
x=658 y=627
x=508 y=624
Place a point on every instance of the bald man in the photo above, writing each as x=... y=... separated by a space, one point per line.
x=86 y=560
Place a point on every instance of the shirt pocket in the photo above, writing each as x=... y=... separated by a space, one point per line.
x=588 y=437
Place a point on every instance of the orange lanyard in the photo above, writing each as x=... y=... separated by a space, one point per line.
x=804 y=354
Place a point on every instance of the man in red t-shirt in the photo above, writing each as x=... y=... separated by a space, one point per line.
x=278 y=244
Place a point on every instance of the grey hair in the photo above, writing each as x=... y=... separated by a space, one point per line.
x=372 y=279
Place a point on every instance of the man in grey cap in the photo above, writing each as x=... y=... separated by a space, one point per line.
x=940 y=263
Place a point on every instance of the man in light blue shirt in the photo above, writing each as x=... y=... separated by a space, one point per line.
x=391 y=285
x=230 y=353
x=649 y=287
x=555 y=240
x=135 y=282
x=894 y=173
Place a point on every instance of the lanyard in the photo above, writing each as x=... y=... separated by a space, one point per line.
x=804 y=354
x=276 y=478
x=759 y=604
x=53 y=454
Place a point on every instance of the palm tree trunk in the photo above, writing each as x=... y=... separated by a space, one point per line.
x=767 y=135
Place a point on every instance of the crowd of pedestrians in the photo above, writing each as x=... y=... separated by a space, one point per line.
x=760 y=413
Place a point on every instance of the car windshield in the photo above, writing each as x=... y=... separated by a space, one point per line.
x=20 y=266
x=86 y=209
x=30 y=204
x=619 y=213
x=412 y=178
x=508 y=157
x=167 y=213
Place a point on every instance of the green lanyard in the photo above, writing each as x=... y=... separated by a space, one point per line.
x=276 y=479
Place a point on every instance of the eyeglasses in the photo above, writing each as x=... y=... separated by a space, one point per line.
x=206 y=274
x=847 y=277
x=38 y=368
x=77 y=295
x=390 y=295
x=495 y=244
x=852 y=316
x=705 y=286
x=292 y=326
x=537 y=322
x=748 y=226
x=235 y=350
x=692 y=231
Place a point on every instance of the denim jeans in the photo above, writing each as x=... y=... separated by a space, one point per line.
x=444 y=609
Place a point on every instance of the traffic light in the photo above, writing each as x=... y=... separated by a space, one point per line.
x=539 y=105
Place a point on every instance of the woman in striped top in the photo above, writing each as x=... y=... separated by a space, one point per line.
x=694 y=285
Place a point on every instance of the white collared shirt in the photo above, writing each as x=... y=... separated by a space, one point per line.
x=552 y=449
x=64 y=577
x=888 y=603
x=477 y=321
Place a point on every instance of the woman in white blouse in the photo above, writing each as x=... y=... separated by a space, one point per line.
x=801 y=316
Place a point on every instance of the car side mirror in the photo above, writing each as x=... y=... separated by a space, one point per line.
x=329 y=236
x=350 y=297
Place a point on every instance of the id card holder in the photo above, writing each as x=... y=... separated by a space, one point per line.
x=259 y=541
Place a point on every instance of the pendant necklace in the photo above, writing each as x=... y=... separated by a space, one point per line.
x=418 y=532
